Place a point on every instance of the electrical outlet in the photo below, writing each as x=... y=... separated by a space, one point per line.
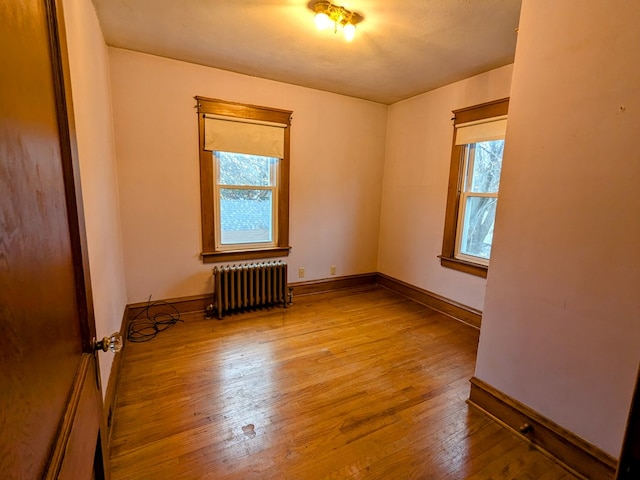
x=301 y=272
x=332 y=270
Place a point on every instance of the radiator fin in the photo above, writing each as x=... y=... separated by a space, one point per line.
x=247 y=286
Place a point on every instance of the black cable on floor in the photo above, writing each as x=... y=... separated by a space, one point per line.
x=146 y=324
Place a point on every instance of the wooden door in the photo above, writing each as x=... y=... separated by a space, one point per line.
x=50 y=398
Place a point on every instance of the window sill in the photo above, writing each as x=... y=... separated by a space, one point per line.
x=463 y=266
x=229 y=255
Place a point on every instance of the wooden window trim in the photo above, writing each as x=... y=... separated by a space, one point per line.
x=495 y=108
x=207 y=210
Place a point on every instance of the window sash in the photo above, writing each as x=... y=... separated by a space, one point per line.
x=466 y=193
x=470 y=157
x=460 y=231
x=217 y=195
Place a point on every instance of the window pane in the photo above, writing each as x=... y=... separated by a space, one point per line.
x=487 y=163
x=246 y=216
x=241 y=169
x=477 y=231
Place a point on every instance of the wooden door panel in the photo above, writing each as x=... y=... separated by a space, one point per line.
x=49 y=406
x=77 y=442
x=41 y=346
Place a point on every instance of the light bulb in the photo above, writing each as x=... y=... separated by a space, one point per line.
x=349 y=31
x=322 y=21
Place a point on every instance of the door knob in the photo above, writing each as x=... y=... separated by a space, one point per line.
x=113 y=343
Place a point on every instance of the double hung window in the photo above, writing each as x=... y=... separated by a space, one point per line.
x=244 y=180
x=474 y=183
x=246 y=200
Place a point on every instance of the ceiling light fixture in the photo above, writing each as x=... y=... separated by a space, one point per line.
x=336 y=17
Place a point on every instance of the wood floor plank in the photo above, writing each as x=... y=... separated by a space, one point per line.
x=342 y=385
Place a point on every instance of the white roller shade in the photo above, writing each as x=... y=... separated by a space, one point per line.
x=229 y=134
x=481 y=131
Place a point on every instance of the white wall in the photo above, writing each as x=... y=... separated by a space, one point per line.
x=89 y=65
x=561 y=327
x=418 y=155
x=337 y=157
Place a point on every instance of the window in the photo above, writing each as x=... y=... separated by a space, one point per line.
x=246 y=201
x=244 y=180
x=474 y=181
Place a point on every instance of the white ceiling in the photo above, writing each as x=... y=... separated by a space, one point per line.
x=402 y=47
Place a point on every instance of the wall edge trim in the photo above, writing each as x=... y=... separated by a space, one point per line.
x=188 y=304
x=111 y=391
x=449 y=307
x=574 y=453
x=362 y=280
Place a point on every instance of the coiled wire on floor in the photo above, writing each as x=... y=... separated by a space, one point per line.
x=147 y=324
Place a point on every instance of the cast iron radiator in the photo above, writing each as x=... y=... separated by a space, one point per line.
x=248 y=286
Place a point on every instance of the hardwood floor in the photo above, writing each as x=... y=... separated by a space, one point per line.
x=354 y=384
